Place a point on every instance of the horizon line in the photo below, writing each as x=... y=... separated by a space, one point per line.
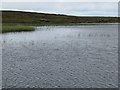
x=33 y=11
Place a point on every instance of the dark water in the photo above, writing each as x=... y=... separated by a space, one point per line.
x=61 y=56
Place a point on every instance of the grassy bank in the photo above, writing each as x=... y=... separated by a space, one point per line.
x=51 y=19
x=17 y=21
x=16 y=29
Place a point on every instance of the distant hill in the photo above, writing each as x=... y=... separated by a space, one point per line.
x=46 y=19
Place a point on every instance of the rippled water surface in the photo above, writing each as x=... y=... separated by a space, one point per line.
x=61 y=56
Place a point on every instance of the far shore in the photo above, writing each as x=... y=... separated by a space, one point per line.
x=18 y=21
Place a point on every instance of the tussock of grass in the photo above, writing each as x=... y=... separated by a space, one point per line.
x=16 y=28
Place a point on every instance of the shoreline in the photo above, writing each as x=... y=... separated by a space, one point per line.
x=27 y=28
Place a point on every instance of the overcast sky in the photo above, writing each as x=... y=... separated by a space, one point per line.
x=60 y=0
x=70 y=8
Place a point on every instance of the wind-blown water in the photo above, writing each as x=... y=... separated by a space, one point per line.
x=61 y=56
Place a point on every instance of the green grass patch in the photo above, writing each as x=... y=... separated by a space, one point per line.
x=16 y=28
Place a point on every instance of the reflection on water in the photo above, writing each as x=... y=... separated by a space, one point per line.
x=62 y=56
